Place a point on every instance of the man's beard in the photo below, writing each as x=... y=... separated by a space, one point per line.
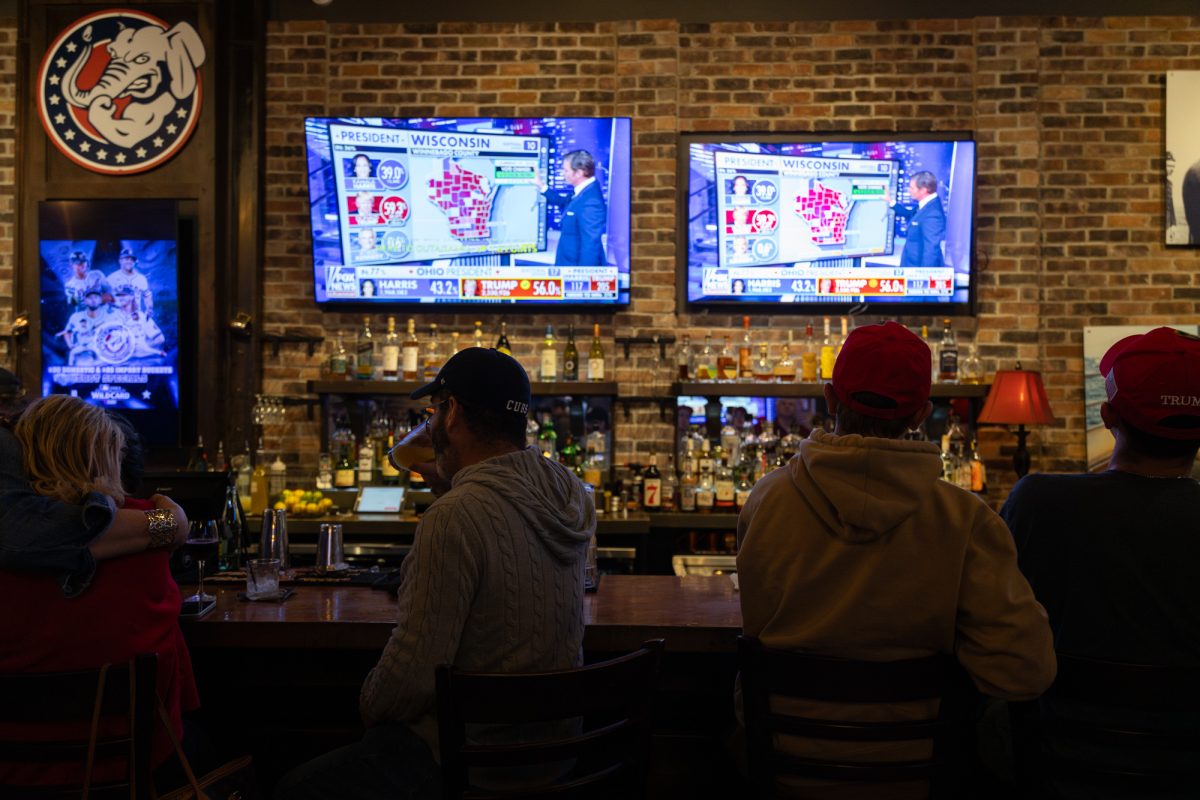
x=437 y=433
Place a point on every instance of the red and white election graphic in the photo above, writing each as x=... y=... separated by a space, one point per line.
x=521 y=288
x=873 y=287
x=393 y=210
x=765 y=221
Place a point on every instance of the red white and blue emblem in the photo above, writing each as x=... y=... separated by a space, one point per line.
x=119 y=90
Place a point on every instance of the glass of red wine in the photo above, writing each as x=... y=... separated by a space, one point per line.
x=202 y=539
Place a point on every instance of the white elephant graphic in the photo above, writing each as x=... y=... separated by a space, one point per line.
x=153 y=66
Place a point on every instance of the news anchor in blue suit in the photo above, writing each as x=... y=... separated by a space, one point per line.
x=926 y=223
x=584 y=213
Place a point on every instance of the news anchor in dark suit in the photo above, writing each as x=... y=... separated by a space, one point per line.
x=584 y=213
x=926 y=223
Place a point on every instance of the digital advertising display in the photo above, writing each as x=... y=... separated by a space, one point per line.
x=470 y=210
x=858 y=220
x=110 y=308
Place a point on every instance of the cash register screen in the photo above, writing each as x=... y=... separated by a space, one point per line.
x=379 y=500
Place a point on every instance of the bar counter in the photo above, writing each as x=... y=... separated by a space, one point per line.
x=695 y=614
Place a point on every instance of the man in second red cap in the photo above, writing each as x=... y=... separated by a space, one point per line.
x=858 y=549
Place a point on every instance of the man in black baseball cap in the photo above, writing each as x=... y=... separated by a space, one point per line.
x=493 y=583
x=490 y=394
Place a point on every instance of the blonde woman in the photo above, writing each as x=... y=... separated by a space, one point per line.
x=70 y=450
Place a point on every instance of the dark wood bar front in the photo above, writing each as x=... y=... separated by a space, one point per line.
x=693 y=614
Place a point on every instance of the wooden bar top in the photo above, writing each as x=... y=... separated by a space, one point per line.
x=696 y=614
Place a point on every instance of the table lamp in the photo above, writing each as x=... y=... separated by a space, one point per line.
x=1017 y=397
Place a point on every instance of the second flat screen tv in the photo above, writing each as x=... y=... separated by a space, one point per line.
x=821 y=222
x=467 y=211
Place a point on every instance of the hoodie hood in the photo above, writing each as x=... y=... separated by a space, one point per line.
x=861 y=486
x=547 y=495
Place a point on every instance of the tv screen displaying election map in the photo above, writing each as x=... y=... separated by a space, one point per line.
x=470 y=210
x=811 y=220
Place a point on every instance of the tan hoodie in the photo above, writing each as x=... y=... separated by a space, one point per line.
x=858 y=549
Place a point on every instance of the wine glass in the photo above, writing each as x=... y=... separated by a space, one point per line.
x=202 y=539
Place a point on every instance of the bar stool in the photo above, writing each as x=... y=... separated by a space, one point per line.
x=600 y=747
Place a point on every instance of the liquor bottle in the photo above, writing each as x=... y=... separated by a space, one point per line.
x=454 y=345
x=337 y=359
x=411 y=350
x=245 y=473
x=730 y=442
x=705 y=463
x=278 y=476
x=366 y=352
x=433 y=354
x=391 y=352
x=570 y=356
x=724 y=486
x=808 y=359
x=478 y=333
x=549 y=371
x=705 y=491
x=568 y=454
x=683 y=359
x=687 y=489
x=532 y=429
x=706 y=361
x=259 y=484
x=978 y=470
x=366 y=463
x=343 y=471
x=842 y=340
x=741 y=492
x=727 y=368
x=324 y=471
x=232 y=531
x=596 y=356
x=764 y=370
x=548 y=437
x=652 y=485
x=199 y=460
x=745 y=353
x=785 y=368
x=670 y=487
x=222 y=464
x=971 y=368
x=947 y=355
x=828 y=353
x=502 y=341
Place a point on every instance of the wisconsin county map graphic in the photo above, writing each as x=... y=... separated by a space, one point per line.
x=825 y=210
x=466 y=199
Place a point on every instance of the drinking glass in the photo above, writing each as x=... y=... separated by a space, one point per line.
x=262 y=578
x=415 y=448
x=202 y=539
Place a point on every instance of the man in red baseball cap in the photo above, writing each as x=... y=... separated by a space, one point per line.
x=1113 y=555
x=858 y=549
x=1123 y=545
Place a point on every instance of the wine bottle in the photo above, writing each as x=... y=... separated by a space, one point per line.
x=570 y=357
x=411 y=350
x=502 y=342
x=549 y=371
x=391 y=352
x=596 y=356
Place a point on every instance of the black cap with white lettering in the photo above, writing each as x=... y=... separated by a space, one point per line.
x=482 y=377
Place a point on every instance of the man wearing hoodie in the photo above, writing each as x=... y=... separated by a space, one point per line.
x=857 y=548
x=493 y=583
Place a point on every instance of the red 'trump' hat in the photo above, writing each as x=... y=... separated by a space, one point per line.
x=1153 y=380
x=888 y=360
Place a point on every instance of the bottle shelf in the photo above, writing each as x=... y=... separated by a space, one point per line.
x=539 y=389
x=753 y=389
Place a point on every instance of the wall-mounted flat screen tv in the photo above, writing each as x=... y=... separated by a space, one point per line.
x=827 y=223
x=470 y=211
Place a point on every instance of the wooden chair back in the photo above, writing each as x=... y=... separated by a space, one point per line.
x=1104 y=724
x=767 y=673
x=611 y=754
x=117 y=697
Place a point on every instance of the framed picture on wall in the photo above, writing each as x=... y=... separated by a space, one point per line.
x=1181 y=191
x=1096 y=341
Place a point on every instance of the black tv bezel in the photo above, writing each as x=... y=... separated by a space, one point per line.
x=683 y=164
x=360 y=306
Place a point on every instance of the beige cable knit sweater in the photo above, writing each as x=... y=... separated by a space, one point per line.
x=493 y=583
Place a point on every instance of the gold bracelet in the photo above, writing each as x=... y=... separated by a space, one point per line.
x=161 y=526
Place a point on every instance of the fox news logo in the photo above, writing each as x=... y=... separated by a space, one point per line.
x=119 y=91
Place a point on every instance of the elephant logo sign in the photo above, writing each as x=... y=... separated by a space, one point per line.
x=119 y=90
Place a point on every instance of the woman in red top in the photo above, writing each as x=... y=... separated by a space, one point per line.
x=132 y=606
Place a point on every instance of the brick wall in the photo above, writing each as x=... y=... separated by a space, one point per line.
x=8 y=189
x=1068 y=114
